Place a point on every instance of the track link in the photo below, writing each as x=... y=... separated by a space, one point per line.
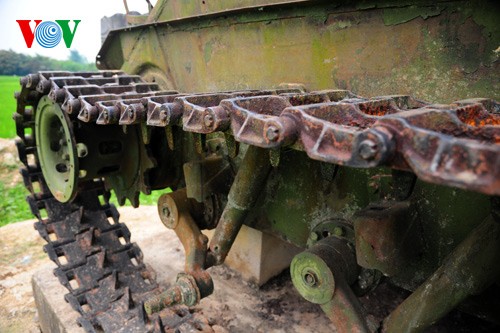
x=453 y=144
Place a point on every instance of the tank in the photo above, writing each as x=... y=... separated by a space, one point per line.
x=365 y=133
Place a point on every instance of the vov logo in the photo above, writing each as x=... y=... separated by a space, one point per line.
x=48 y=33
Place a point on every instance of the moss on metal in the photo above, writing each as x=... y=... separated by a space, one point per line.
x=449 y=55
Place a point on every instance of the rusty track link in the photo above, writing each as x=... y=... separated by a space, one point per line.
x=455 y=145
x=104 y=273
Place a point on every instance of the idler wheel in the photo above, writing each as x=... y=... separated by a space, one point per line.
x=313 y=278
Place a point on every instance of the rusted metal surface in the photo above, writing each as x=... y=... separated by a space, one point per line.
x=242 y=196
x=204 y=178
x=174 y=211
x=468 y=270
x=185 y=291
x=387 y=237
x=175 y=11
x=193 y=285
x=456 y=144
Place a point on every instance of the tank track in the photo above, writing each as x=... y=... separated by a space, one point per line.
x=103 y=271
x=454 y=145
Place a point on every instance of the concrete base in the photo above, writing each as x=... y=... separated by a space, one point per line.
x=235 y=305
x=258 y=256
x=54 y=314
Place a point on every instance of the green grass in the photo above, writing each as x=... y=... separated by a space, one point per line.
x=144 y=200
x=8 y=85
x=14 y=208
x=13 y=205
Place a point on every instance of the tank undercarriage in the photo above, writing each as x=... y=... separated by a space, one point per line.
x=354 y=174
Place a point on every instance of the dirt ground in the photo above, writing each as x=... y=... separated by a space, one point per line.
x=9 y=163
x=21 y=255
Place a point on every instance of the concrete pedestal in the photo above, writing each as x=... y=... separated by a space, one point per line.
x=236 y=305
x=54 y=314
x=258 y=256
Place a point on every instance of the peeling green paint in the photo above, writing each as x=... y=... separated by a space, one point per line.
x=440 y=59
x=393 y=16
x=482 y=14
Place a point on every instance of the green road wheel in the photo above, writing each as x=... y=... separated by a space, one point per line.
x=56 y=149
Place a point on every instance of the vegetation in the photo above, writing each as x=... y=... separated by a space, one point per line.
x=13 y=63
x=8 y=85
x=14 y=208
x=13 y=205
x=144 y=200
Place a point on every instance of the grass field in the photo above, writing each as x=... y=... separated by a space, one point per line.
x=13 y=206
x=8 y=85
